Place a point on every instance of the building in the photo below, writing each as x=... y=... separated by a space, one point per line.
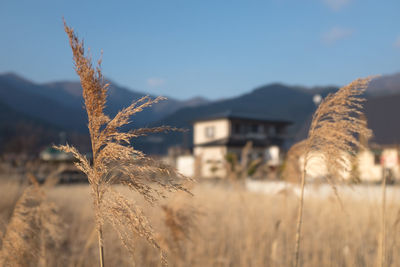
x=379 y=161
x=370 y=166
x=217 y=136
x=52 y=154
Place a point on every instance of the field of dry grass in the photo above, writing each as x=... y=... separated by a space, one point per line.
x=229 y=226
x=136 y=211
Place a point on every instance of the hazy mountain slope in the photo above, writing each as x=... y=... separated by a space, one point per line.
x=383 y=118
x=24 y=97
x=21 y=133
x=382 y=114
x=59 y=107
x=385 y=85
x=295 y=104
x=61 y=103
x=120 y=97
x=274 y=101
x=67 y=98
x=195 y=101
x=382 y=110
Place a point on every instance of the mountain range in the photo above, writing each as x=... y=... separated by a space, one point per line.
x=295 y=104
x=58 y=106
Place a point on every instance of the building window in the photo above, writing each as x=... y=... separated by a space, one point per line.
x=271 y=131
x=210 y=131
x=254 y=128
x=377 y=159
x=236 y=128
x=280 y=130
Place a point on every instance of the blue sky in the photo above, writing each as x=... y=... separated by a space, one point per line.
x=211 y=48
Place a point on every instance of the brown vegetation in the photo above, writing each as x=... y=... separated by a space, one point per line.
x=334 y=135
x=34 y=230
x=236 y=228
x=115 y=161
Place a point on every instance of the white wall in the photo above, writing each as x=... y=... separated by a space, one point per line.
x=317 y=167
x=211 y=158
x=272 y=156
x=371 y=172
x=367 y=169
x=221 y=130
x=185 y=165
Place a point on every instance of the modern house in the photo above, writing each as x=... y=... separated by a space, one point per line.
x=217 y=136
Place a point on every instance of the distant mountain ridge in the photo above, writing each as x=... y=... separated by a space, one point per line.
x=60 y=105
x=276 y=101
x=384 y=85
x=295 y=103
x=40 y=102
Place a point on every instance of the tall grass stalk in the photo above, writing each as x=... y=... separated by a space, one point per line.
x=300 y=215
x=333 y=134
x=382 y=239
x=115 y=161
x=35 y=226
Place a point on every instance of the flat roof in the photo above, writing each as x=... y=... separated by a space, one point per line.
x=234 y=142
x=241 y=116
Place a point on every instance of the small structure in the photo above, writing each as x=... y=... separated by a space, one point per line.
x=215 y=137
x=371 y=165
x=186 y=165
x=61 y=165
x=379 y=161
x=317 y=168
x=52 y=154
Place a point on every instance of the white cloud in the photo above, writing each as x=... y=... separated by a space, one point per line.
x=397 y=42
x=336 y=4
x=335 y=34
x=154 y=82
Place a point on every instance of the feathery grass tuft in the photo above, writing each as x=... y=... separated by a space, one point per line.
x=115 y=161
x=292 y=169
x=335 y=128
x=34 y=228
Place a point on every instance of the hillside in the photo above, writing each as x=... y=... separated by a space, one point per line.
x=385 y=85
x=119 y=97
x=22 y=134
x=276 y=101
x=38 y=102
x=381 y=111
x=59 y=105
x=383 y=118
x=295 y=104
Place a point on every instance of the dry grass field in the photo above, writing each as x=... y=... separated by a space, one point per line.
x=136 y=211
x=223 y=225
